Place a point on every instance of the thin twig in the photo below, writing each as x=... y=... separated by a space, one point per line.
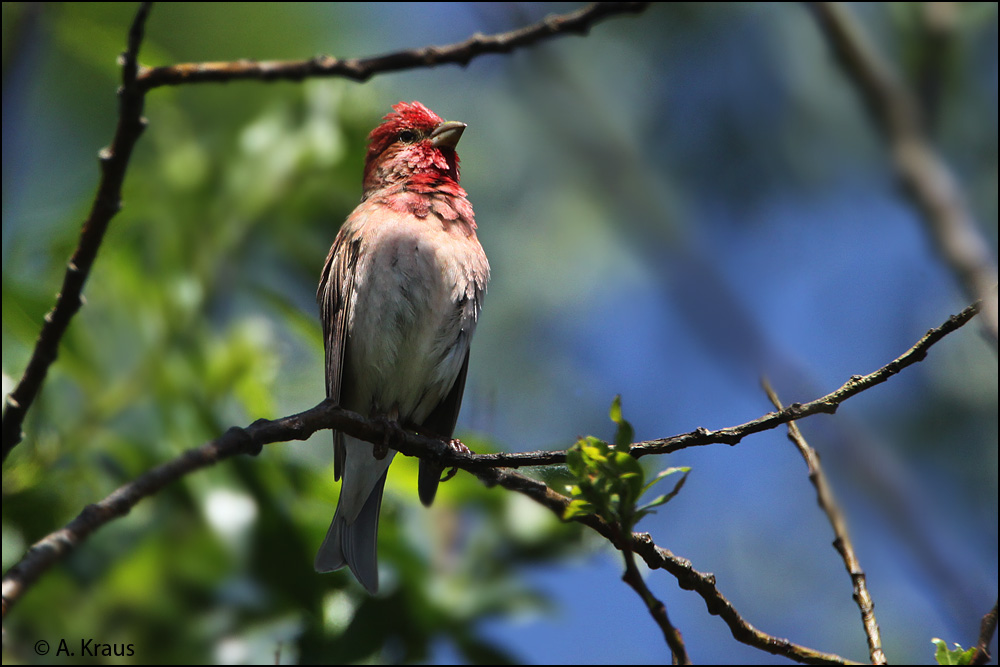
x=114 y=161
x=656 y=608
x=361 y=69
x=842 y=543
x=704 y=585
x=922 y=171
x=987 y=628
x=825 y=404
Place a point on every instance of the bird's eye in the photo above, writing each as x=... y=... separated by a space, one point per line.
x=407 y=136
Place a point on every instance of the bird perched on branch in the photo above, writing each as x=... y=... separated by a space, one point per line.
x=399 y=299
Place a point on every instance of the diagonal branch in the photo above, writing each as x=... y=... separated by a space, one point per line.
x=825 y=404
x=842 y=543
x=704 y=585
x=58 y=545
x=361 y=69
x=655 y=557
x=656 y=608
x=987 y=628
x=924 y=174
x=114 y=161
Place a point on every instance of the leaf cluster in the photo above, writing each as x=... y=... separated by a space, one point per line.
x=609 y=481
x=952 y=656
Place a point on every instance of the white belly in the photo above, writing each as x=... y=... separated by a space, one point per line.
x=411 y=319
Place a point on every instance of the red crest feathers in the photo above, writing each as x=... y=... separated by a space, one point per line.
x=405 y=116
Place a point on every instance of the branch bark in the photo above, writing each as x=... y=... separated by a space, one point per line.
x=987 y=628
x=114 y=162
x=362 y=69
x=842 y=543
x=656 y=608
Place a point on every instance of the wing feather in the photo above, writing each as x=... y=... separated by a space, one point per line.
x=334 y=295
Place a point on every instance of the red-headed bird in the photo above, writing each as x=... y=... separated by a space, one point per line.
x=399 y=299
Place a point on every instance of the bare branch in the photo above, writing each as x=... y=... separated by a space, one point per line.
x=114 y=161
x=923 y=172
x=655 y=557
x=361 y=69
x=656 y=608
x=826 y=404
x=842 y=543
x=704 y=584
x=987 y=628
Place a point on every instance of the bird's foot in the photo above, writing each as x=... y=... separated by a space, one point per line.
x=456 y=445
x=392 y=433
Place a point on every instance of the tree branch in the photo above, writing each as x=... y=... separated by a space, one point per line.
x=361 y=69
x=114 y=161
x=987 y=627
x=842 y=543
x=826 y=404
x=921 y=170
x=704 y=585
x=656 y=608
x=688 y=578
x=58 y=545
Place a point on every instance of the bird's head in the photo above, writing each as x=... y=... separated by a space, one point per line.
x=412 y=145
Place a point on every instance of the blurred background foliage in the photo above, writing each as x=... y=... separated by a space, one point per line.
x=671 y=205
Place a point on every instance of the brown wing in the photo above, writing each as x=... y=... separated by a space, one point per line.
x=336 y=288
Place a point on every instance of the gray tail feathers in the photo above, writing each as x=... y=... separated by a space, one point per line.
x=355 y=544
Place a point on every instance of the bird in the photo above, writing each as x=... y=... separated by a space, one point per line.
x=399 y=298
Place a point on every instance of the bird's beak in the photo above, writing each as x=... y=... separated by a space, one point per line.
x=447 y=134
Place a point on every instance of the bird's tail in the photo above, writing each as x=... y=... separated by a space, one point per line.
x=355 y=544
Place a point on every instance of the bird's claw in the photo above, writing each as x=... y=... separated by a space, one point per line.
x=458 y=446
x=392 y=433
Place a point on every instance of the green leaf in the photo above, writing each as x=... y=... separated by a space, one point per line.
x=666 y=473
x=577 y=508
x=955 y=656
x=609 y=480
x=664 y=499
x=574 y=461
x=624 y=434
